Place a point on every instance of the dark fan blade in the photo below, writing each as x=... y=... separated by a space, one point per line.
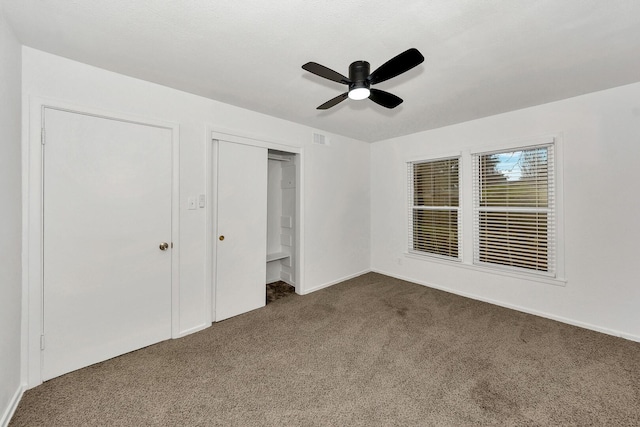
x=327 y=73
x=396 y=66
x=335 y=101
x=385 y=99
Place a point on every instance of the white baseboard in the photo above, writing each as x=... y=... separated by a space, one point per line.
x=192 y=330
x=546 y=315
x=334 y=282
x=13 y=405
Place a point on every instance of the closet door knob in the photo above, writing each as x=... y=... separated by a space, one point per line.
x=164 y=246
x=221 y=238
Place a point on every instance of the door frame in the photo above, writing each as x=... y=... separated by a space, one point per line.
x=215 y=134
x=33 y=274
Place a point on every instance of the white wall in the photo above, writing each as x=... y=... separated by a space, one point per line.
x=600 y=135
x=10 y=219
x=336 y=177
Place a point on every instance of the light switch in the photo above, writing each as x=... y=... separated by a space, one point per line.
x=201 y=200
x=192 y=203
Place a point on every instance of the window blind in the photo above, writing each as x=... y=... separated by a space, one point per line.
x=514 y=209
x=434 y=203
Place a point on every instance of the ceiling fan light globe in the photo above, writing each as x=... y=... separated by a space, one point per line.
x=359 y=93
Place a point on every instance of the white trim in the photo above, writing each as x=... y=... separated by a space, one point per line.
x=559 y=205
x=435 y=157
x=300 y=278
x=189 y=331
x=626 y=336
x=33 y=217
x=175 y=229
x=211 y=154
x=490 y=270
x=335 y=282
x=546 y=315
x=254 y=140
x=13 y=405
x=426 y=255
x=514 y=144
x=465 y=189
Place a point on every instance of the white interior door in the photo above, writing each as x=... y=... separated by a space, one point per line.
x=107 y=209
x=241 y=244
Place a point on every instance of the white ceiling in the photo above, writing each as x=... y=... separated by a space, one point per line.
x=482 y=57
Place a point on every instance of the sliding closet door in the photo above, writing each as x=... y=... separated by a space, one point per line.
x=241 y=243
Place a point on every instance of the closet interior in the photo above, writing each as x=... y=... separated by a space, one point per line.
x=281 y=217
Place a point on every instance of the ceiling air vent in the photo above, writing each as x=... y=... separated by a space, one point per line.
x=321 y=139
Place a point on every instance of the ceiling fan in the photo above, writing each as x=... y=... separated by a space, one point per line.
x=360 y=81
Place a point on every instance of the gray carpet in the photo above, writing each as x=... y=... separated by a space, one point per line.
x=372 y=351
x=277 y=290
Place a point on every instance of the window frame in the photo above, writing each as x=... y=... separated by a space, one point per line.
x=465 y=154
x=412 y=207
x=549 y=212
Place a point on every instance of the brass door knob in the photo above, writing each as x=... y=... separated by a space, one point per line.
x=221 y=238
x=164 y=246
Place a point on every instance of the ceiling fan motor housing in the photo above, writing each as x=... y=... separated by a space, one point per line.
x=358 y=73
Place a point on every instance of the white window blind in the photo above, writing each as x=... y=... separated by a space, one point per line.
x=514 y=209
x=434 y=203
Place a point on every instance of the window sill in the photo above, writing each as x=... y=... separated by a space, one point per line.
x=460 y=264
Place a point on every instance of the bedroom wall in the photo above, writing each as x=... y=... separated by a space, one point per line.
x=10 y=219
x=336 y=177
x=600 y=137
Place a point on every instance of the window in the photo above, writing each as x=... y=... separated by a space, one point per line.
x=514 y=209
x=434 y=203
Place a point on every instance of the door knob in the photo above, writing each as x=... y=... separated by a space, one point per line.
x=164 y=246
x=221 y=238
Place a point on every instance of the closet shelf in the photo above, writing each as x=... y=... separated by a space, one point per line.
x=279 y=157
x=277 y=255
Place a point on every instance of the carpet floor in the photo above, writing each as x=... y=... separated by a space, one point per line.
x=277 y=290
x=371 y=351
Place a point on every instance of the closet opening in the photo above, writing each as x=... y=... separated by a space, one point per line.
x=281 y=224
